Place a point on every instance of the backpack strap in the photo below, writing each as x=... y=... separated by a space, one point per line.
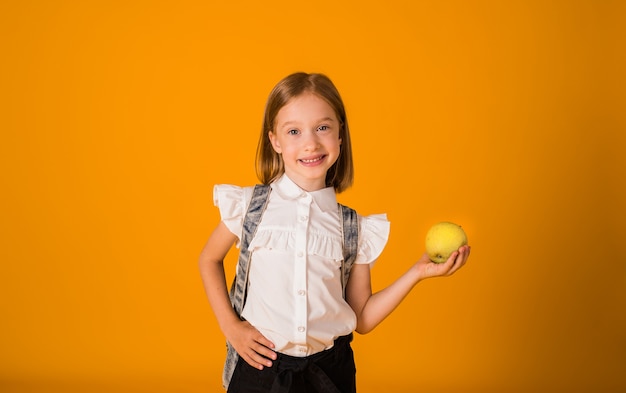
x=350 y=231
x=239 y=289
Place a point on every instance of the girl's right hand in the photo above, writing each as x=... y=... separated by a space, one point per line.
x=251 y=345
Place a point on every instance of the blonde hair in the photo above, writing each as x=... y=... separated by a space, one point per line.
x=269 y=164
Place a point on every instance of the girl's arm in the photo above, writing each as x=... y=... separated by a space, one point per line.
x=371 y=309
x=249 y=343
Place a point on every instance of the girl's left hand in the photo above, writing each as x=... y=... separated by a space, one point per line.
x=429 y=269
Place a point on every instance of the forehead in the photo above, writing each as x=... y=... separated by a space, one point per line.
x=305 y=107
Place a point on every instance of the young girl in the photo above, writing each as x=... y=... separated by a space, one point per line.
x=289 y=319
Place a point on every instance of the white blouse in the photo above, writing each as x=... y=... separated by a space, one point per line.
x=294 y=286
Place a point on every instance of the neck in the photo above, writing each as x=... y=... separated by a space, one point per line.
x=308 y=185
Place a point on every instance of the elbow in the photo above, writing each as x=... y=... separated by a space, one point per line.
x=203 y=262
x=362 y=331
x=363 y=328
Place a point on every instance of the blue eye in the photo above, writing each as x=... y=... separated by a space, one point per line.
x=292 y=132
x=322 y=128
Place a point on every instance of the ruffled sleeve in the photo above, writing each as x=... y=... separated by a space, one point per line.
x=232 y=202
x=373 y=236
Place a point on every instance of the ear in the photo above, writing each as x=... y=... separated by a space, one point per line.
x=274 y=141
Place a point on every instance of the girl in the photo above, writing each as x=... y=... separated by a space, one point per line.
x=290 y=317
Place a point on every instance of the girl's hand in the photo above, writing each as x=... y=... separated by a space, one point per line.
x=251 y=345
x=428 y=269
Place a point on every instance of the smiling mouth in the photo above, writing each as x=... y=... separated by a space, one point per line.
x=312 y=160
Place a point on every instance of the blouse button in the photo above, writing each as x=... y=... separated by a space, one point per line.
x=300 y=254
x=300 y=329
x=301 y=292
x=303 y=218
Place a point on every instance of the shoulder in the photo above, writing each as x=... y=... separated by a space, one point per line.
x=232 y=202
x=231 y=194
x=373 y=236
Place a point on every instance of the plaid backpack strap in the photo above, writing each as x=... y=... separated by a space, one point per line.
x=239 y=289
x=350 y=229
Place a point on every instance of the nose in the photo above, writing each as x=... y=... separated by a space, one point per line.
x=311 y=140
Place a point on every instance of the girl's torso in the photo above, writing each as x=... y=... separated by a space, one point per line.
x=294 y=286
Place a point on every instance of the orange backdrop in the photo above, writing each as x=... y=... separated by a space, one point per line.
x=118 y=117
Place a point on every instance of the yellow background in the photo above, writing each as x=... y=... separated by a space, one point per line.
x=118 y=117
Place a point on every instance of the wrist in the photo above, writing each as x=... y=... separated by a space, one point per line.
x=227 y=323
x=415 y=273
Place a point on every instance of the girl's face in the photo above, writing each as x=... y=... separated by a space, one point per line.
x=306 y=134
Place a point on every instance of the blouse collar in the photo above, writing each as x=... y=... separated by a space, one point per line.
x=325 y=198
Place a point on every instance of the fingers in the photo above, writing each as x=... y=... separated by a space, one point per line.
x=458 y=259
x=430 y=269
x=253 y=347
x=258 y=356
x=263 y=349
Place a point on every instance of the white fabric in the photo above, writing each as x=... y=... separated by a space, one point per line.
x=294 y=294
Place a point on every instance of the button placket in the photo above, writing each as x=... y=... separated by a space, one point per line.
x=300 y=264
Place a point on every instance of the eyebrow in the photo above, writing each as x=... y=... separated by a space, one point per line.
x=290 y=122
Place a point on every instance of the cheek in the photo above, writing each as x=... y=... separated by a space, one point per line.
x=336 y=142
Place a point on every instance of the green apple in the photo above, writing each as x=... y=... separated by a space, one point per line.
x=442 y=239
